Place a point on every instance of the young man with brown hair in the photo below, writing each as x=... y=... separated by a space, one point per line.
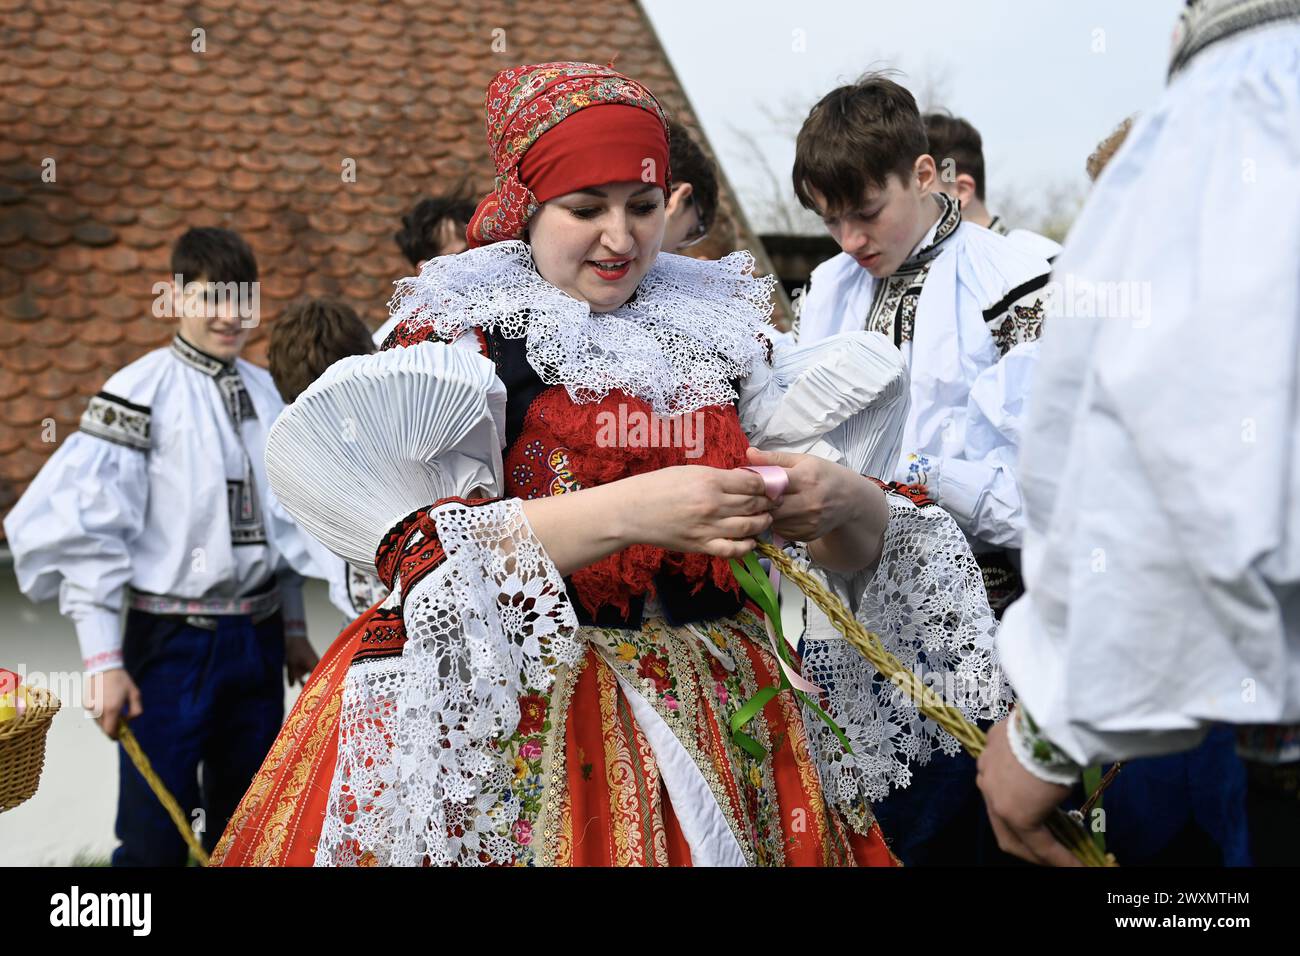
x=954 y=298
x=311 y=336
x=958 y=152
x=159 y=509
x=963 y=305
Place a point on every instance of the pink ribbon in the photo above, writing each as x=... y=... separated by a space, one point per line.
x=775 y=479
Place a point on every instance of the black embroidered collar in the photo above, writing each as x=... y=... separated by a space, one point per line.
x=196 y=358
x=1206 y=22
x=949 y=220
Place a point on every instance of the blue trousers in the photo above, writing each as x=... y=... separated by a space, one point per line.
x=213 y=701
x=940 y=819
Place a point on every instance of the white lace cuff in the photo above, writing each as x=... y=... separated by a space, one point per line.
x=926 y=601
x=419 y=778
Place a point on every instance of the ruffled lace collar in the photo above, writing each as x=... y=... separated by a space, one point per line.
x=692 y=328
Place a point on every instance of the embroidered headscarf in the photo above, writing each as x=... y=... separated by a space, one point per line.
x=555 y=128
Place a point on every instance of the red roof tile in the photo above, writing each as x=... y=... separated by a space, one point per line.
x=149 y=139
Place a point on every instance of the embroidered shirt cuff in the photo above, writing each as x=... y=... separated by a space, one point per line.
x=1037 y=754
x=918 y=469
x=100 y=638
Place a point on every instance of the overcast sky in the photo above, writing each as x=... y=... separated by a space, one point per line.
x=1043 y=80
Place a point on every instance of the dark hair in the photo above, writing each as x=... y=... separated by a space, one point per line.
x=854 y=138
x=688 y=164
x=953 y=138
x=418 y=237
x=217 y=255
x=311 y=336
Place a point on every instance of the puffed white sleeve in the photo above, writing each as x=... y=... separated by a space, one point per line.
x=1163 y=574
x=71 y=532
x=843 y=398
x=979 y=487
x=1161 y=462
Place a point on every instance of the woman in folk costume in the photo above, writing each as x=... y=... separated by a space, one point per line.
x=554 y=677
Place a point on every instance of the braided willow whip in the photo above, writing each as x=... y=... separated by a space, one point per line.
x=134 y=751
x=1071 y=834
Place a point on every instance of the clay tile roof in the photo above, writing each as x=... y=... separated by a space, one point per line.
x=149 y=139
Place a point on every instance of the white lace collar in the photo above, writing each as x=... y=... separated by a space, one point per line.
x=693 y=327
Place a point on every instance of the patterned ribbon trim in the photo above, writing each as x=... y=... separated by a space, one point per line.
x=1037 y=754
x=1206 y=22
x=255 y=606
x=196 y=358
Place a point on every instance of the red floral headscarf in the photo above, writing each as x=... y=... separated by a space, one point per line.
x=624 y=138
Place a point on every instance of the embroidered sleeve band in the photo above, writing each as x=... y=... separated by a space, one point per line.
x=1037 y=754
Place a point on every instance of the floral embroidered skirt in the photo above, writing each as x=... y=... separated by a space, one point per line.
x=626 y=760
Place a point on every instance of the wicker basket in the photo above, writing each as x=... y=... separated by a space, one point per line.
x=22 y=748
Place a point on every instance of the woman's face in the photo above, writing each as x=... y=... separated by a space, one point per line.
x=597 y=244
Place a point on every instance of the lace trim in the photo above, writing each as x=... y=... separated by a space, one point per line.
x=420 y=777
x=691 y=329
x=926 y=601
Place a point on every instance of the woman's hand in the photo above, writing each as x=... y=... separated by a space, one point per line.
x=690 y=508
x=821 y=495
x=840 y=514
x=698 y=509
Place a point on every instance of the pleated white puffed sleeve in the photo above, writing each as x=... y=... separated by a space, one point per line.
x=72 y=530
x=372 y=451
x=843 y=398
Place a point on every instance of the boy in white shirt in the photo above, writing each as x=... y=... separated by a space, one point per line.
x=159 y=507
x=955 y=298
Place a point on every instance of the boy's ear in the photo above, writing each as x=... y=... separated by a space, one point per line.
x=677 y=198
x=925 y=173
x=965 y=188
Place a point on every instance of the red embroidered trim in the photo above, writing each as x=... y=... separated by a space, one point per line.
x=103 y=657
x=408 y=552
x=384 y=635
x=411 y=548
x=413 y=331
x=917 y=493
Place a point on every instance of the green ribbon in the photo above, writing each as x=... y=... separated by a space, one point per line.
x=754 y=582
